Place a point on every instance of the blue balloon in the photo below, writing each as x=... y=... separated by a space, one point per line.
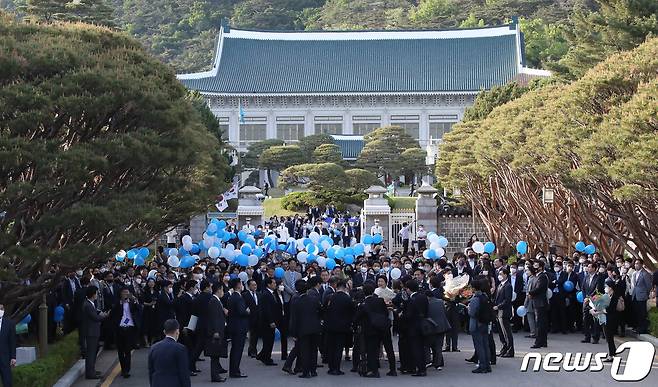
x=281 y=247
x=139 y=261
x=522 y=247
x=377 y=238
x=340 y=253
x=143 y=252
x=521 y=311
x=221 y=224
x=580 y=246
x=277 y=335
x=580 y=297
x=568 y=286
x=307 y=242
x=590 y=249
x=443 y=241
x=348 y=259
x=368 y=240
x=131 y=254
x=242 y=235
x=331 y=253
x=212 y=228
x=258 y=252
x=311 y=258
x=330 y=264
x=431 y=254
x=243 y=260
x=359 y=249
x=58 y=314
x=227 y=237
x=195 y=249
x=26 y=319
x=278 y=273
x=489 y=247
x=246 y=249
x=119 y=259
x=182 y=252
x=187 y=262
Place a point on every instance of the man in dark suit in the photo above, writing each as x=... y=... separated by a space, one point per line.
x=215 y=330
x=539 y=302
x=416 y=311
x=271 y=315
x=165 y=304
x=123 y=318
x=168 y=363
x=90 y=329
x=592 y=283
x=79 y=298
x=69 y=286
x=7 y=348
x=516 y=282
x=558 y=305
x=372 y=317
x=339 y=313
x=305 y=327
x=573 y=312
x=237 y=327
x=300 y=288
x=503 y=308
x=358 y=279
x=184 y=306
x=252 y=299
x=201 y=303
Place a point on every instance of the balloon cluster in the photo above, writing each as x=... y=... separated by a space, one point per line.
x=587 y=249
x=481 y=248
x=436 y=250
x=137 y=255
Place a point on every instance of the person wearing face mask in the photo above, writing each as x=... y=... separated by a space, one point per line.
x=184 y=306
x=592 y=283
x=360 y=278
x=571 y=304
x=641 y=285
x=557 y=302
x=7 y=347
x=503 y=309
x=167 y=360
x=165 y=304
x=518 y=295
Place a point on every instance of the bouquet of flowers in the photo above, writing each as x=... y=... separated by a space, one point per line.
x=598 y=303
x=454 y=285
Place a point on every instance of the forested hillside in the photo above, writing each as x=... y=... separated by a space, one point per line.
x=183 y=32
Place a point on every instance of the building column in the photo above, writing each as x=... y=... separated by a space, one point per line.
x=271 y=125
x=376 y=207
x=426 y=208
x=249 y=206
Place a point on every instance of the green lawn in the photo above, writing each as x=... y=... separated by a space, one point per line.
x=273 y=207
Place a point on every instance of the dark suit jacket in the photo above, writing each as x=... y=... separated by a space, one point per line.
x=254 y=310
x=7 y=340
x=503 y=300
x=326 y=293
x=201 y=303
x=168 y=364
x=165 y=308
x=372 y=308
x=238 y=317
x=90 y=323
x=117 y=313
x=216 y=317
x=416 y=311
x=590 y=288
x=305 y=316
x=538 y=291
x=357 y=279
x=339 y=313
x=184 y=306
x=270 y=309
x=66 y=294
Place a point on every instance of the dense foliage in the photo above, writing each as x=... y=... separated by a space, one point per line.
x=593 y=141
x=100 y=149
x=47 y=370
x=183 y=33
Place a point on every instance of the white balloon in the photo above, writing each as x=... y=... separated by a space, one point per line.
x=121 y=254
x=433 y=238
x=243 y=276
x=187 y=240
x=440 y=252
x=314 y=237
x=549 y=294
x=196 y=258
x=152 y=273
x=253 y=260
x=322 y=261
x=434 y=246
x=173 y=252
x=426 y=254
x=213 y=252
x=396 y=273
x=325 y=245
x=478 y=247
x=302 y=256
x=173 y=261
x=187 y=246
x=230 y=246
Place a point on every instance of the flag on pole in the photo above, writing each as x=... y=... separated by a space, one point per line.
x=241 y=111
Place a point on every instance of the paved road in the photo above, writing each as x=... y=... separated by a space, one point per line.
x=455 y=373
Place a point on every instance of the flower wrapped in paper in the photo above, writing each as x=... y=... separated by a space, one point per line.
x=387 y=294
x=455 y=285
x=598 y=304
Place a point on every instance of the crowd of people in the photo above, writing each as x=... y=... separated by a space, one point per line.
x=350 y=313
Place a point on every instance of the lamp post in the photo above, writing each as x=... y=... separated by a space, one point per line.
x=548 y=198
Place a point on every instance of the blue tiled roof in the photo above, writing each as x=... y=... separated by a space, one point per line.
x=350 y=146
x=415 y=62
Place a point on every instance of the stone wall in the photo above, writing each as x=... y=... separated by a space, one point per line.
x=458 y=229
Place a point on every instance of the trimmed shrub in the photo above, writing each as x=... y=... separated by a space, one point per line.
x=46 y=371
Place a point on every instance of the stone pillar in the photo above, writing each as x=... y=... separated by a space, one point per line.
x=198 y=225
x=249 y=206
x=376 y=207
x=426 y=208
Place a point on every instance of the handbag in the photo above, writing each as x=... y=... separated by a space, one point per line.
x=428 y=327
x=621 y=306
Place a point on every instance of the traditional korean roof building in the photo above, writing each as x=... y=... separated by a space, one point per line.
x=287 y=85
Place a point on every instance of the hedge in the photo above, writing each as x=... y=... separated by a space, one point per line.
x=301 y=201
x=46 y=371
x=653 y=322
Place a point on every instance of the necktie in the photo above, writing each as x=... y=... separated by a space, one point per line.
x=255 y=298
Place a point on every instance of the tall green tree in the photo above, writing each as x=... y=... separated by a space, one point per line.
x=279 y=158
x=309 y=144
x=325 y=177
x=99 y=151
x=614 y=26
x=382 y=150
x=414 y=163
x=328 y=153
x=250 y=160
